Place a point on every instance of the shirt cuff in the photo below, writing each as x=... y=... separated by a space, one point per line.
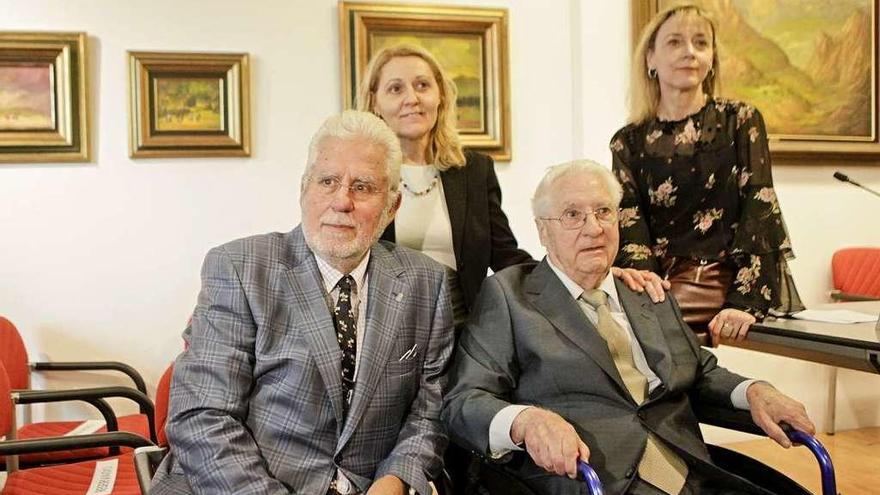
x=738 y=396
x=499 y=431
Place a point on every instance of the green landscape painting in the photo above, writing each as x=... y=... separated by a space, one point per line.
x=189 y=104
x=806 y=64
x=461 y=56
x=26 y=98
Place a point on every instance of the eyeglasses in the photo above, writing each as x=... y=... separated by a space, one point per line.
x=572 y=219
x=359 y=189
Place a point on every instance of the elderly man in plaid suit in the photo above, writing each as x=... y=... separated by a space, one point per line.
x=315 y=356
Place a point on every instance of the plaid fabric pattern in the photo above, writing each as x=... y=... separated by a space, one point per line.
x=257 y=399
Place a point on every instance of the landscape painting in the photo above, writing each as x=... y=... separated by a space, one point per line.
x=189 y=104
x=461 y=56
x=26 y=97
x=808 y=65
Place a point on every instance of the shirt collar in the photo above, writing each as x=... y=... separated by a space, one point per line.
x=330 y=276
x=576 y=290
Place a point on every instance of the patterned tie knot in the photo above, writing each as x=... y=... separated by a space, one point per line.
x=345 y=283
x=595 y=298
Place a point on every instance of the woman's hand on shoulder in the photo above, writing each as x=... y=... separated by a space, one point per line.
x=730 y=323
x=643 y=281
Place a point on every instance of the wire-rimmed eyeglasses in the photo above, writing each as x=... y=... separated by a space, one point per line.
x=572 y=219
x=360 y=189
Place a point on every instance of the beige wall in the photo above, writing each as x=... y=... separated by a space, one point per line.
x=101 y=260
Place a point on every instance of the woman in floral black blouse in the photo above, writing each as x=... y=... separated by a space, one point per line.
x=699 y=205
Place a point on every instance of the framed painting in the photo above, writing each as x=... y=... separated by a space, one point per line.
x=810 y=66
x=470 y=44
x=44 y=115
x=189 y=104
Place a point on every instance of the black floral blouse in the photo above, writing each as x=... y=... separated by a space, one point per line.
x=701 y=188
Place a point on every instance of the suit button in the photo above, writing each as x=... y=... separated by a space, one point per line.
x=630 y=472
x=641 y=415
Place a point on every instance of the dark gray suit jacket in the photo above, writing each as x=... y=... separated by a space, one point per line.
x=528 y=342
x=256 y=399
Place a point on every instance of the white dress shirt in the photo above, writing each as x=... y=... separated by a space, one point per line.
x=500 y=442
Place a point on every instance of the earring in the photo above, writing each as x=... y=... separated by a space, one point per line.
x=711 y=72
x=652 y=73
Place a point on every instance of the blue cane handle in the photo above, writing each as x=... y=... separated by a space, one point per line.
x=594 y=486
x=829 y=484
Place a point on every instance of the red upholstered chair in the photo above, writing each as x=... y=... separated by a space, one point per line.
x=14 y=357
x=147 y=459
x=856 y=273
x=116 y=474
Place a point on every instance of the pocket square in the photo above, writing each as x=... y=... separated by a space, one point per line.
x=410 y=354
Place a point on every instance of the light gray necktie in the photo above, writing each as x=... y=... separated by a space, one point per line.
x=659 y=465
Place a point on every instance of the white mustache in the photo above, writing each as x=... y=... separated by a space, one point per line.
x=343 y=221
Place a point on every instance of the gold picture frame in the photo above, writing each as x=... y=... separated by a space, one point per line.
x=791 y=67
x=187 y=104
x=44 y=111
x=471 y=44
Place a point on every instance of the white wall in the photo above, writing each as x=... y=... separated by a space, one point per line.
x=101 y=260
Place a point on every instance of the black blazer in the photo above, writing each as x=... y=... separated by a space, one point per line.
x=481 y=235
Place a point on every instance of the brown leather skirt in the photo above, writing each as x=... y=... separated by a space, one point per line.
x=699 y=286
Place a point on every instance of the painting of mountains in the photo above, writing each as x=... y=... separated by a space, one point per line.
x=806 y=64
x=461 y=56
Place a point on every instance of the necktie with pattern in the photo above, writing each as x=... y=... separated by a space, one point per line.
x=346 y=335
x=659 y=465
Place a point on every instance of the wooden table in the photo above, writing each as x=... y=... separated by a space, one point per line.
x=853 y=346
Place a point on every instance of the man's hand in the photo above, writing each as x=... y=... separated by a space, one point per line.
x=770 y=407
x=550 y=440
x=387 y=485
x=643 y=280
x=730 y=323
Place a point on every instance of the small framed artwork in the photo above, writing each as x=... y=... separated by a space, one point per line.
x=809 y=66
x=44 y=114
x=189 y=104
x=471 y=45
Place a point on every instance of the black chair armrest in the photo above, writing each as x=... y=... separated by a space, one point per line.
x=91 y=395
x=732 y=419
x=94 y=366
x=54 y=444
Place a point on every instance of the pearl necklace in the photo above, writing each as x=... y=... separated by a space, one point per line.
x=430 y=188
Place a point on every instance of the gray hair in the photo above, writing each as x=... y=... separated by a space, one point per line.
x=545 y=189
x=352 y=124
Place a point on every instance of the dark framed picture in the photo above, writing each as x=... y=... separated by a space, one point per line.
x=44 y=114
x=189 y=104
x=470 y=44
x=810 y=66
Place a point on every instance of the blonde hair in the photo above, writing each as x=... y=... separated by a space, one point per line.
x=445 y=148
x=644 y=91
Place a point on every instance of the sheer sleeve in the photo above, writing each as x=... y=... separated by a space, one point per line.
x=635 y=236
x=761 y=244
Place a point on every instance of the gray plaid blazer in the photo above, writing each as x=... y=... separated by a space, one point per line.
x=256 y=400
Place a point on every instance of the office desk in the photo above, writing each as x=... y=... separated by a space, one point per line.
x=853 y=346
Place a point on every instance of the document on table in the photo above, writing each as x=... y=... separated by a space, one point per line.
x=835 y=316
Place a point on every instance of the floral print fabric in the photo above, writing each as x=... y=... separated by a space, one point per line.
x=701 y=188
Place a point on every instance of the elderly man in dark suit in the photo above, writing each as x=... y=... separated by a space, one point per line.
x=315 y=357
x=565 y=362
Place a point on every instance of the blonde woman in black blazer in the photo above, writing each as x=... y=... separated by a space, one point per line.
x=451 y=206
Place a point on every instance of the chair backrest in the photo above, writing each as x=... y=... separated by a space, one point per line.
x=5 y=403
x=856 y=270
x=162 y=394
x=13 y=355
